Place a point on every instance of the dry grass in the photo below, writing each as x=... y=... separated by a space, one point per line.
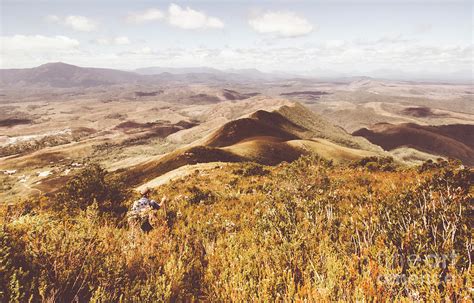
x=301 y=231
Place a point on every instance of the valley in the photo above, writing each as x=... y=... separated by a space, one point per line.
x=149 y=125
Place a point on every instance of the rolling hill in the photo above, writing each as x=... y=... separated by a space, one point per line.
x=245 y=128
x=264 y=137
x=455 y=141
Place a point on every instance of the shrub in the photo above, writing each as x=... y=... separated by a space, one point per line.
x=18 y=276
x=375 y=163
x=92 y=184
x=251 y=169
x=198 y=195
x=431 y=165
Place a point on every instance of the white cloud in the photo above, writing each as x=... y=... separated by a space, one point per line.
x=335 y=44
x=28 y=50
x=102 y=41
x=37 y=43
x=146 y=16
x=142 y=51
x=214 y=22
x=342 y=56
x=284 y=24
x=77 y=23
x=187 y=18
x=122 y=40
x=182 y=17
x=53 y=18
x=80 y=23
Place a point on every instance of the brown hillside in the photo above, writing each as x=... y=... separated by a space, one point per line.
x=453 y=141
x=264 y=137
x=421 y=112
x=193 y=155
x=233 y=95
x=314 y=126
x=278 y=120
x=241 y=129
x=266 y=150
x=460 y=132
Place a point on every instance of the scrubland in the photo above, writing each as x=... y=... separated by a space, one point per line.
x=309 y=230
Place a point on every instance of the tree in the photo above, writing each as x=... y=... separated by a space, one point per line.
x=92 y=184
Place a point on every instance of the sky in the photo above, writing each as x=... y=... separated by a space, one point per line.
x=351 y=37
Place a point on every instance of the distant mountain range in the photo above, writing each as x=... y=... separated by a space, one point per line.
x=176 y=70
x=65 y=75
x=62 y=75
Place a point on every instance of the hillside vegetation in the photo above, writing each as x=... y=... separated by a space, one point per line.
x=307 y=230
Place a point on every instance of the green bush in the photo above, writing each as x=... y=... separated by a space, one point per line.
x=92 y=185
x=375 y=163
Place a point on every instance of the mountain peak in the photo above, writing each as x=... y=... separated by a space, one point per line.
x=57 y=65
x=60 y=74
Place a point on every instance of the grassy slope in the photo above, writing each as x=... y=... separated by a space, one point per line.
x=447 y=140
x=299 y=231
x=317 y=127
